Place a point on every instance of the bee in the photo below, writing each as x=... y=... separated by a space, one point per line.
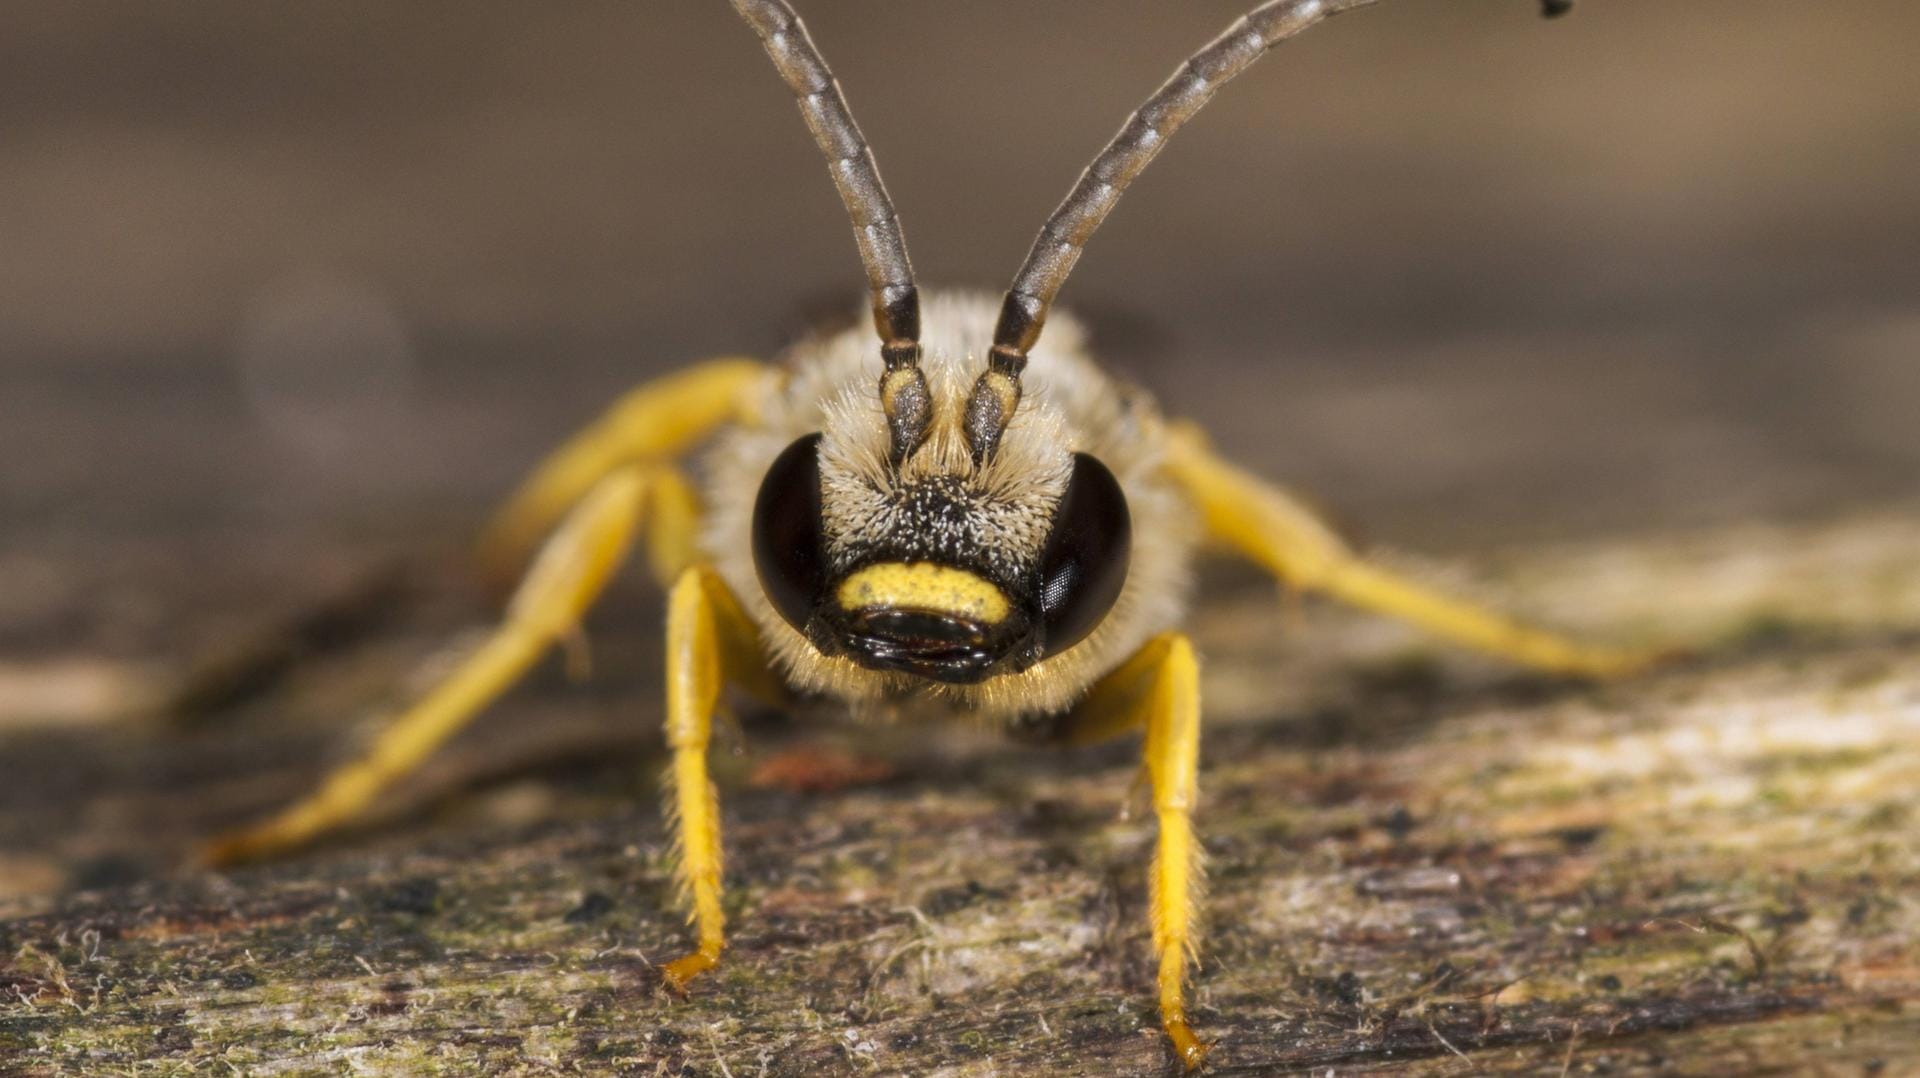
x=981 y=523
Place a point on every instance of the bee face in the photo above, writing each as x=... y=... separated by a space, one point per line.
x=941 y=568
x=1071 y=523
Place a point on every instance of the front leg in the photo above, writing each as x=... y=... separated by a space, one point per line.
x=710 y=641
x=1159 y=688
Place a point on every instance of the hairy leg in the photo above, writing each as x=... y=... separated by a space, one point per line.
x=599 y=487
x=1271 y=528
x=568 y=575
x=654 y=423
x=1159 y=689
x=710 y=642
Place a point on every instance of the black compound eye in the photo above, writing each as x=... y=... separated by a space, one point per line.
x=1084 y=564
x=789 y=553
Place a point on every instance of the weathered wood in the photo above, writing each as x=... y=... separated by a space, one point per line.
x=1419 y=863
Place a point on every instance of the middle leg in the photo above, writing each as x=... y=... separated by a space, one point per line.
x=569 y=574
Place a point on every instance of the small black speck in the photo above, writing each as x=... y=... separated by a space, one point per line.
x=1576 y=838
x=238 y=981
x=1796 y=915
x=1046 y=811
x=1348 y=990
x=1399 y=823
x=667 y=1037
x=1610 y=983
x=1857 y=912
x=1874 y=1066
x=1553 y=9
x=948 y=899
x=1056 y=857
x=112 y=870
x=593 y=906
x=418 y=896
x=173 y=1038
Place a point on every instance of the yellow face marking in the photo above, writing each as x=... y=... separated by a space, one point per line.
x=937 y=589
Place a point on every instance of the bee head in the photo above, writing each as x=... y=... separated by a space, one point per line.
x=941 y=566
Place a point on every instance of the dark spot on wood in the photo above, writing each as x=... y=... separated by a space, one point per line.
x=1346 y=988
x=1795 y=915
x=1399 y=823
x=593 y=906
x=948 y=899
x=109 y=870
x=173 y=1038
x=1858 y=910
x=419 y=895
x=1578 y=838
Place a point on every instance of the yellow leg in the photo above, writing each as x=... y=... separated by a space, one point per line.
x=568 y=575
x=1159 y=688
x=1277 y=532
x=653 y=423
x=710 y=641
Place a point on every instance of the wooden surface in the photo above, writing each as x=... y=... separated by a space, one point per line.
x=1420 y=863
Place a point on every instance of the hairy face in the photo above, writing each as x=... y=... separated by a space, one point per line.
x=940 y=566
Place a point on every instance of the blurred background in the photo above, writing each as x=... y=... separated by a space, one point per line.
x=1463 y=272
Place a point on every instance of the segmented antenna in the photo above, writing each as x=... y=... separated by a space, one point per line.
x=1145 y=133
x=876 y=228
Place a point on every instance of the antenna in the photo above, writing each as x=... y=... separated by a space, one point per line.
x=876 y=228
x=1141 y=138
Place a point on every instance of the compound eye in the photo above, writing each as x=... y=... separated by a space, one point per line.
x=1084 y=564
x=789 y=553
